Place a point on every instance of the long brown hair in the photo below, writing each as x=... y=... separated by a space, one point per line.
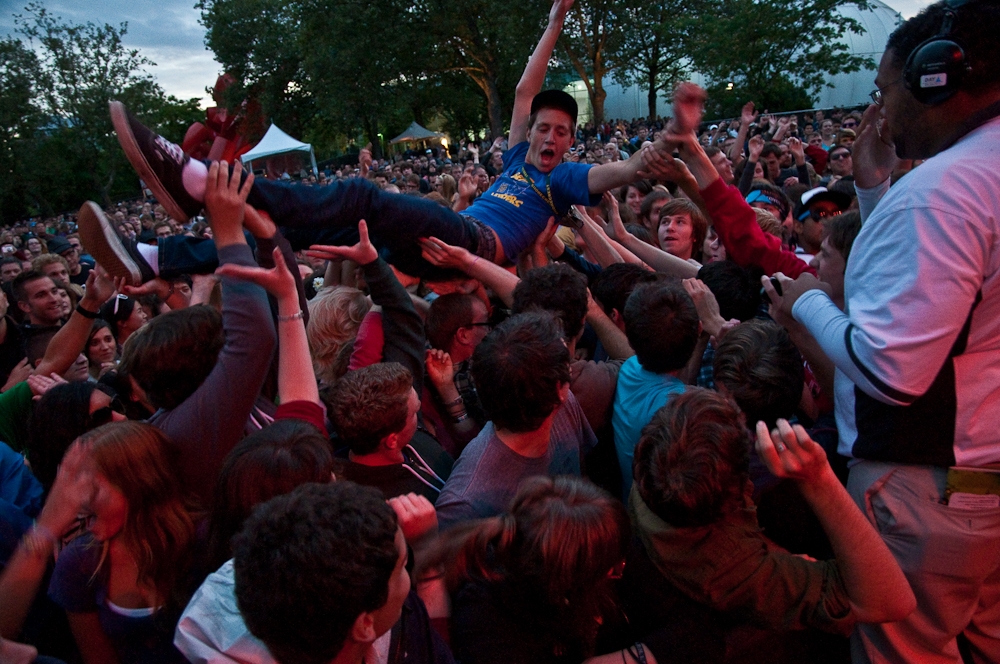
x=550 y=555
x=140 y=462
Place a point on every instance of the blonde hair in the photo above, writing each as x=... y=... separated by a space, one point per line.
x=768 y=222
x=334 y=318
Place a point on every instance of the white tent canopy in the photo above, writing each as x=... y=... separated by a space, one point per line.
x=277 y=142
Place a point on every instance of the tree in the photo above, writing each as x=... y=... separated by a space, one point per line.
x=777 y=53
x=490 y=47
x=18 y=119
x=63 y=151
x=653 y=51
x=592 y=31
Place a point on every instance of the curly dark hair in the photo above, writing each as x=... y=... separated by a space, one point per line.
x=308 y=563
x=518 y=369
x=693 y=459
x=558 y=289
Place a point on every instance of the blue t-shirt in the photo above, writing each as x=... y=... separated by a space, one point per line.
x=516 y=212
x=77 y=589
x=639 y=394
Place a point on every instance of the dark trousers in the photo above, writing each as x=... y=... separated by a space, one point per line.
x=329 y=215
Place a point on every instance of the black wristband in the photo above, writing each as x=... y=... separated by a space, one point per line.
x=86 y=313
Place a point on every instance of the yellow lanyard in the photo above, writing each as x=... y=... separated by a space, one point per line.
x=548 y=190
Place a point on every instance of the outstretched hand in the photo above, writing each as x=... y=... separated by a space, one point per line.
x=756 y=146
x=225 y=198
x=747 y=115
x=362 y=253
x=661 y=165
x=689 y=107
x=278 y=281
x=439 y=254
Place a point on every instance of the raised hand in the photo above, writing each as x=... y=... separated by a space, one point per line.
x=41 y=384
x=873 y=151
x=439 y=254
x=225 y=199
x=662 y=166
x=467 y=187
x=797 y=149
x=618 y=231
x=99 y=289
x=706 y=305
x=756 y=146
x=278 y=281
x=362 y=253
x=258 y=223
x=416 y=516
x=559 y=10
x=689 y=107
x=747 y=115
x=72 y=489
x=789 y=452
x=440 y=368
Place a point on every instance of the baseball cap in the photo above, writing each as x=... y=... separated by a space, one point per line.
x=556 y=99
x=819 y=194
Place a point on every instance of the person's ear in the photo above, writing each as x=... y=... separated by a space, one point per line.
x=463 y=335
x=391 y=441
x=23 y=306
x=618 y=319
x=563 y=392
x=363 y=629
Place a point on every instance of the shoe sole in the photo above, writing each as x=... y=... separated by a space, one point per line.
x=102 y=242
x=119 y=118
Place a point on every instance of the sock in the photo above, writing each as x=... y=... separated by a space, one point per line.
x=151 y=254
x=194 y=176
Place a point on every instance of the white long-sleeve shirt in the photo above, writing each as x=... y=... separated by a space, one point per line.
x=918 y=349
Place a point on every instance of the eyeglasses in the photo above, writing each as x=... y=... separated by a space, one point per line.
x=876 y=94
x=840 y=155
x=849 y=125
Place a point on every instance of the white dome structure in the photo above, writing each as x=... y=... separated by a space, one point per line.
x=848 y=89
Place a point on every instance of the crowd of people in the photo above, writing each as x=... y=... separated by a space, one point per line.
x=641 y=392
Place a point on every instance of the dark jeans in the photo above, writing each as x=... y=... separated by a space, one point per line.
x=329 y=215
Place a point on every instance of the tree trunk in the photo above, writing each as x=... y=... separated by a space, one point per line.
x=495 y=110
x=651 y=97
x=597 y=97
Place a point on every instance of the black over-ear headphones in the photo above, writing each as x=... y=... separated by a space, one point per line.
x=937 y=66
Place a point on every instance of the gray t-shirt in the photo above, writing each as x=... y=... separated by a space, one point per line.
x=486 y=476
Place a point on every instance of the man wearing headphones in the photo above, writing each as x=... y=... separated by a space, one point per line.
x=918 y=351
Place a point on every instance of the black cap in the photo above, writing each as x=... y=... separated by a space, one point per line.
x=57 y=245
x=838 y=198
x=556 y=99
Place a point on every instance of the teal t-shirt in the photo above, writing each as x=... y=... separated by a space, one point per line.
x=639 y=395
x=516 y=212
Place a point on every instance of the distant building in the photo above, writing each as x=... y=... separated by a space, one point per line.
x=848 y=89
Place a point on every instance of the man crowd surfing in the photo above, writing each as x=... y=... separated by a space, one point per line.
x=637 y=392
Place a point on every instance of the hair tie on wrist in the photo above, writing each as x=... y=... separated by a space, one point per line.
x=86 y=313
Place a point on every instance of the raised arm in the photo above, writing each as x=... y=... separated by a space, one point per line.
x=534 y=72
x=876 y=587
x=71 y=339
x=296 y=380
x=492 y=275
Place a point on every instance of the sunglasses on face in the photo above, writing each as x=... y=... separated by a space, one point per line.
x=102 y=416
x=840 y=155
x=849 y=125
